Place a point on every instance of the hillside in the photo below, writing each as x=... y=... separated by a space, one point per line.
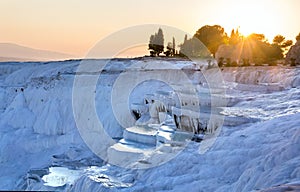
x=43 y=147
x=14 y=52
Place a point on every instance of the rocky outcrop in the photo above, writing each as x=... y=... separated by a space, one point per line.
x=293 y=55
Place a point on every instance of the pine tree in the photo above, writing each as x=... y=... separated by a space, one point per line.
x=156 y=43
x=234 y=37
x=173 y=48
x=160 y=41
x=185 y=38
x=152 y=45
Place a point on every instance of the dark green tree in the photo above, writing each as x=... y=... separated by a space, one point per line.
x=193 y=48
x=185 y=38
x=169 y=50
x=152 y=46
x=160 y=41
x=212 y=37
x=156 y=43
x=221 y=62
x=174 y=47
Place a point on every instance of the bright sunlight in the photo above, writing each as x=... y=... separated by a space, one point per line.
x=251 y=16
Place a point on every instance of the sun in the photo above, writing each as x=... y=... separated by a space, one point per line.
x=250 y=17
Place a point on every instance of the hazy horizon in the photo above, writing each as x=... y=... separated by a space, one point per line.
x=74 y=27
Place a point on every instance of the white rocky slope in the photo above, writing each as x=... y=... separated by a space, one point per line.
x=38 y=131
x=244 y=159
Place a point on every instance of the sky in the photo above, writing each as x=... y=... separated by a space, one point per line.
x=75 y=26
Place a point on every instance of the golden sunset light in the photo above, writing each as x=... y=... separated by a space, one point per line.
x=150 y=95
x=73 y=27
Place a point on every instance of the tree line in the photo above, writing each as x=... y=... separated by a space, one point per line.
x=208 y=41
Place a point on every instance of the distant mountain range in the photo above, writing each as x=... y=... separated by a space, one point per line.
x=14 y=52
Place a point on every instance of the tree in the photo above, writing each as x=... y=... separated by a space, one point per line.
x=221 y=62
x=257 y=37
x=235 y=37
x=169 y=51
x=278 y=39
x=228 y=62
x=298 y=37
x=185 y=38
x=212 y=37
x=174 y=47
x=274 y=52
x=156 y=43
x=151 y=45
x=262 y=51
x=160 y=41
x=287 y=43
x=193 y=48
x=170 y=48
